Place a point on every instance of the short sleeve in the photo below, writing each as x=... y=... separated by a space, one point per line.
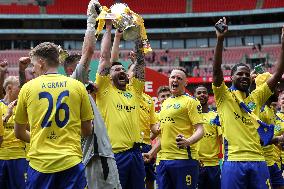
x=219 y=93
x=261 y=94
x=86 y=108
x=195 y=112
x=136 y=85
x=21 y=115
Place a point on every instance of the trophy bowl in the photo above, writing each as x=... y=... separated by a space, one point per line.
x=125 y=21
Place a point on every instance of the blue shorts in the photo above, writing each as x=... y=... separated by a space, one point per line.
x=276 y=176
x=209 y=177
x=149 y=167
x=13 y=173
x=245 y=174
x=131 y=169
x=71 y=178
x=181 y=174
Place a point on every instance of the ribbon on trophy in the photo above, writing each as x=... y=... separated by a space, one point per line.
x=265 y=131
x=127 y=21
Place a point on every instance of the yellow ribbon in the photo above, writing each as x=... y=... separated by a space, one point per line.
x=101 y=19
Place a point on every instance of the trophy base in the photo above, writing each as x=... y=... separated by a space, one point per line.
x=131 y=33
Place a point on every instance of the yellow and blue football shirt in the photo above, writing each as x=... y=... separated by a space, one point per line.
x=147 y=117
x=241 y=139
x=1 y=125
x=209 y=145
x=120 y=111
x=178 y=115
x=11 y=148
x=54 y=106
x=268 y=116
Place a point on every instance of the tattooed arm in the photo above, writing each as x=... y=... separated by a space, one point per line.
x=105 y=64
x=139 y=66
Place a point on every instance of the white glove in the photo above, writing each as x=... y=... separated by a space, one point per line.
x=92 y=12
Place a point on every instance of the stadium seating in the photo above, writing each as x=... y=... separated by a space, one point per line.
x=273 y=4
x=222 y=5
x=231 y=55
x=141 y=6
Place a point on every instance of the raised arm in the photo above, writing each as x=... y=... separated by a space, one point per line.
x=105 y=64
x=115 y=46
x=3 y=71
x=90 y=39
x=23 y=64
x=279 y=68
x=139 y=66
x=217 y=69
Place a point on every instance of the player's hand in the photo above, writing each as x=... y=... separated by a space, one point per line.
x=108 y=24
x=182 y=142
x=219 y=34
x=253 y=75
x=24 y=63
x=147 y=157
x=11 y=107
x=4 y=67
x=118 y=33
x=132 y=56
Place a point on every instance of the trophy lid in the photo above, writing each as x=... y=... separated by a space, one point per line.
x=118 y=8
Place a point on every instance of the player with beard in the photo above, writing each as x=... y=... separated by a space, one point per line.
x=181 y=127
x=119 y=105
x=147 y=114
x=244 y=165
x=209 y=145
x=268 y=115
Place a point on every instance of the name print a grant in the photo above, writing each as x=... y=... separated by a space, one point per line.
x=53 y=85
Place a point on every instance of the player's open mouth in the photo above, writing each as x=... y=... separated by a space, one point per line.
x=174 y=86
x=122 y=78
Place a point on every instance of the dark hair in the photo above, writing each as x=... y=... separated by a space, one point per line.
x=235 y=67
x=116 y=63
x=47 y=51
x=163 y=89
x=181 y=69
x=198 y=87
x=71 y=59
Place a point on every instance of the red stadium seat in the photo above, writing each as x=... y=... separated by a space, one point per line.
x=273 y=4
x=222 y=5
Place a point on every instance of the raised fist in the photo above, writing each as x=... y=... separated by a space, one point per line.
x=221 y=24
x=3 y=66
x=24 y=63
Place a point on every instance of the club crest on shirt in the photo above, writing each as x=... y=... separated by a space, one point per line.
x=127 y=95
x=251 y=106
